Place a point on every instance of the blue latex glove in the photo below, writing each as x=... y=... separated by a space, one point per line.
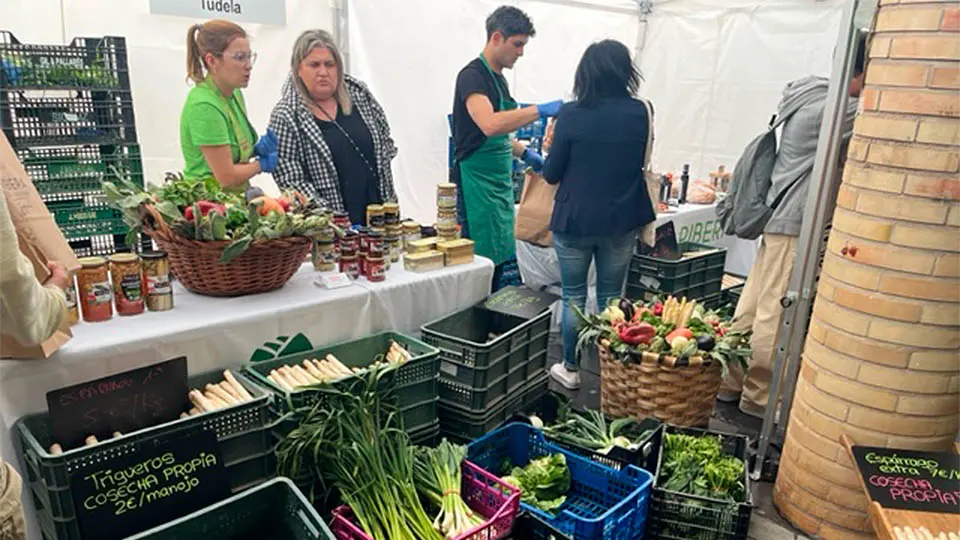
x=533 y=159
x=268 y=163
x=267 y=144
x=550 y=108
x=12 y=71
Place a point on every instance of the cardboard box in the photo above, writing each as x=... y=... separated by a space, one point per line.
x=40 y=240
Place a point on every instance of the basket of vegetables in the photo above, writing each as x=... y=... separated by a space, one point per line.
x=222 y=243
x=663 y=359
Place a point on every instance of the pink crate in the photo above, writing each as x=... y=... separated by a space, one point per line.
x=486 y=494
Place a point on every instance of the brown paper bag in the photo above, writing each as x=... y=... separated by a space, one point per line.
x=40 y=240
x=536 y=209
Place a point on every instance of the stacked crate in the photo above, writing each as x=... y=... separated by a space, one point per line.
x=697 y=275
x=67 y=110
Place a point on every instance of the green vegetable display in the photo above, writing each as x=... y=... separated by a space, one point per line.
x=590 y=429
x=698 y=466
x=202 y=210
x=682 y=329
x=543 y=483
x=436 y=472
x=354 y=443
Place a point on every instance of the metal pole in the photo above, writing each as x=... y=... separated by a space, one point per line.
x=821 y=200
x=341 y=29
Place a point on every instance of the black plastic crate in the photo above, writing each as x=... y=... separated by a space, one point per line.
x=477 y=400
x=102 y=245
x=527 y=526
x=693 y=277
x=547 y=408
x=462 y=425
x=732 y=295
x=47 y=121
x=478 y=346
x=96 y=64
x=243 y=435
x=680 y=516
x=76 y=173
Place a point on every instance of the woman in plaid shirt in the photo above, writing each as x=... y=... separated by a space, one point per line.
x=334 y=139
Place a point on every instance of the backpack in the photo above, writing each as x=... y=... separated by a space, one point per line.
x=744 y=211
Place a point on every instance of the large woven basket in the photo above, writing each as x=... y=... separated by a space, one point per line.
x=678 y=392
x=267 y=265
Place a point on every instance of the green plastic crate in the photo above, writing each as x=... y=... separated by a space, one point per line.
x=68 y=173
x=78 y=221
x=415 y=380
x=275 y=510
x=470 y=357
x=693 y=277
x=243 y=434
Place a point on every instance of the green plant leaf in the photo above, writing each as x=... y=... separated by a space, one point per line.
x=235 y=249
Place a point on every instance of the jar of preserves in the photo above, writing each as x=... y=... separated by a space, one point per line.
x=376 y=270
x=411 y=233
x=393 y=243
x=375 y=243
x=446 y=196
x=350 y=242
x=350 y=266
x=93 y=290
x=127 y=278
x=324 y=256
x=391 y=214
x=375 y=216
x=156 y=278
x=446 y=217
x=73 y=311
x=342 y=220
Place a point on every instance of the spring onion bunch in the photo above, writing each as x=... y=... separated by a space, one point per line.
x=355 y=443
x=437 y=477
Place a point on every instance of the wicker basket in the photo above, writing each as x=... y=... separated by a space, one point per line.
x=678 y=392
x=267 y=265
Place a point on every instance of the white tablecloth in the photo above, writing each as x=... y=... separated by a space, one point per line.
x=223 y=332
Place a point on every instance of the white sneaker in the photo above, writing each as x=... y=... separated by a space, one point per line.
x=568 y=379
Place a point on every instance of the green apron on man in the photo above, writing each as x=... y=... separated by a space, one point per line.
x=487 y=184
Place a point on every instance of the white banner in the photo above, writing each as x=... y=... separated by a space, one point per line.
x=242 y=11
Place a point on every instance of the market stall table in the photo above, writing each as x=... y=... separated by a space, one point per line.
x=221 y=332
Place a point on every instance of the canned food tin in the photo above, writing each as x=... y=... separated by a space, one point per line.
x=446 y=196
x=391 y=214
x=375 y=215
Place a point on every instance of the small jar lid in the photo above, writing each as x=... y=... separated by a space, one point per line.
x=447 y=186
x=375 y=208
x=92 y=262
x=153 y=255
x=124 y=258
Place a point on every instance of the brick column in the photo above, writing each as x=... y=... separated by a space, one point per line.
x=881 y=361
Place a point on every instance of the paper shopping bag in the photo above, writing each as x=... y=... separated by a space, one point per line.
x=536 y=209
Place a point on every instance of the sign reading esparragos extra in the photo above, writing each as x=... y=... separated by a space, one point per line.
x=240 y=11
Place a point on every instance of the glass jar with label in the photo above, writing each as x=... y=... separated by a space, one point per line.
x=156 y=279
x=391 y=214
x=73 y=310
x=446 y=196
x=324 y=256
x=93 y=290
x=446 y=217
x=375 y=243
x=393 y=244
x=411 y=232
x=376 y=269
x=350 y=266
x=127 y=281
x=375 y=217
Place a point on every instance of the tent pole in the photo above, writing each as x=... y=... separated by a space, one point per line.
x=821 y=201
x=341 y=29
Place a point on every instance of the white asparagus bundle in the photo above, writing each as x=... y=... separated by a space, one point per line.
x=909 y=533
x=91 y=441
x=313 y=371
x=56 y=449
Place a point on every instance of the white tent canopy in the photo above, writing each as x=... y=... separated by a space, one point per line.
x=714 y=69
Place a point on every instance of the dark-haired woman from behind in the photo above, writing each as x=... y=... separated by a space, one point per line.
x=597 y=161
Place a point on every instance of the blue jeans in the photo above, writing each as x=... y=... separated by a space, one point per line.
x=575 y=253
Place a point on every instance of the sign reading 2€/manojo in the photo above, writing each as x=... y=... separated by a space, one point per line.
x=241 y=11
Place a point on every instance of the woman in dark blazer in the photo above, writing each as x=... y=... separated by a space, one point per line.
x=597 y=160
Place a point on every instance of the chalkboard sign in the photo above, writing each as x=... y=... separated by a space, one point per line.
x=520 y=302
x=125 y=402
x=665 y=244
x=162 y=481
x=909 y=480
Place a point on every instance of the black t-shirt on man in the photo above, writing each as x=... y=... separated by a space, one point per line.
x=473 y=79
x=359 y=185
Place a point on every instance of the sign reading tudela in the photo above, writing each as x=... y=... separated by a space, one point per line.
x=129 y=493
x=241 y=11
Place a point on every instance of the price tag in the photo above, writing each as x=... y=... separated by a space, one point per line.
x=334 y=281
x=448 y=368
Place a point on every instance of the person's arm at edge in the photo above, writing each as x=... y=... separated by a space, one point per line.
x=29 y=312
x=498 y=123
x=228 y=173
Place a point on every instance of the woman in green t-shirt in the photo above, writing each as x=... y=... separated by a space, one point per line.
x=215 y=135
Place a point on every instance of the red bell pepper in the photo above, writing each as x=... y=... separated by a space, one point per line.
x=636 y=334
x=205 y=208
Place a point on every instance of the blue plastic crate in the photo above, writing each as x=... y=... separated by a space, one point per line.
x=602 y=504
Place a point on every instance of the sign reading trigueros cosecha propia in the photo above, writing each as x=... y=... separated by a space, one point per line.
x=241 y=11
